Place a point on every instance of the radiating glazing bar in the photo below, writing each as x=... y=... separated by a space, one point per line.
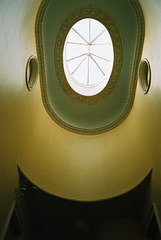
x=100 y=57
x=79 y=35
x=76 y=57
x=97 y=65
x=98 y=36
x=79 y=65
x=84 y=44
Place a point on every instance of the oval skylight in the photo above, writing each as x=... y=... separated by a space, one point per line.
x=88 y=57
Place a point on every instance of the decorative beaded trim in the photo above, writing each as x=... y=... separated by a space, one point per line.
x=64 y=29
x=133 y=80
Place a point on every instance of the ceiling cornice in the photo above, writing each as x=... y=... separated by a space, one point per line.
x=89 y=118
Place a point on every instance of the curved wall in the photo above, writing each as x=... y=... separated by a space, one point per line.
x=152 y=102
x=86 y=168
x=17 y=111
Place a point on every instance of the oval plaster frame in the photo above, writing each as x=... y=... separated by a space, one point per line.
x=144 y=76
x=31 y=73
x=117 y=46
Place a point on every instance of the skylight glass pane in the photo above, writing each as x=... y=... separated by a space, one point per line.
x=82 y=27
x=88 y=57
x=81 y=73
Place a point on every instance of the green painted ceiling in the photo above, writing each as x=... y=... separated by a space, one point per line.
x=113 y=109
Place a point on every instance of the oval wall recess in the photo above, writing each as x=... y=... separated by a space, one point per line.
x=31 y=73
x=144 y=76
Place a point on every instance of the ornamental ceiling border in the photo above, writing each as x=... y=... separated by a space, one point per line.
x=133 y=81
x=117 y=46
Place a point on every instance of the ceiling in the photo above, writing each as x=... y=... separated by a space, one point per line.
x=104 y=111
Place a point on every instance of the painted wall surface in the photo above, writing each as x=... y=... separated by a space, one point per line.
x=60 y=162
x=89 y=167
x=17 y=106
x=152 y=102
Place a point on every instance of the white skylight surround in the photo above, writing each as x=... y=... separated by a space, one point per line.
x=88 y=57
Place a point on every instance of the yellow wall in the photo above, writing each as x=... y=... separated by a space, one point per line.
x=60 y=162
x=152 y=50
x=17 y=106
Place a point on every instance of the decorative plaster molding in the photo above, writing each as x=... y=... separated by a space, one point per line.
x=64 y=29
x=137 y=56
x=31 y=73
x=144 y=75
